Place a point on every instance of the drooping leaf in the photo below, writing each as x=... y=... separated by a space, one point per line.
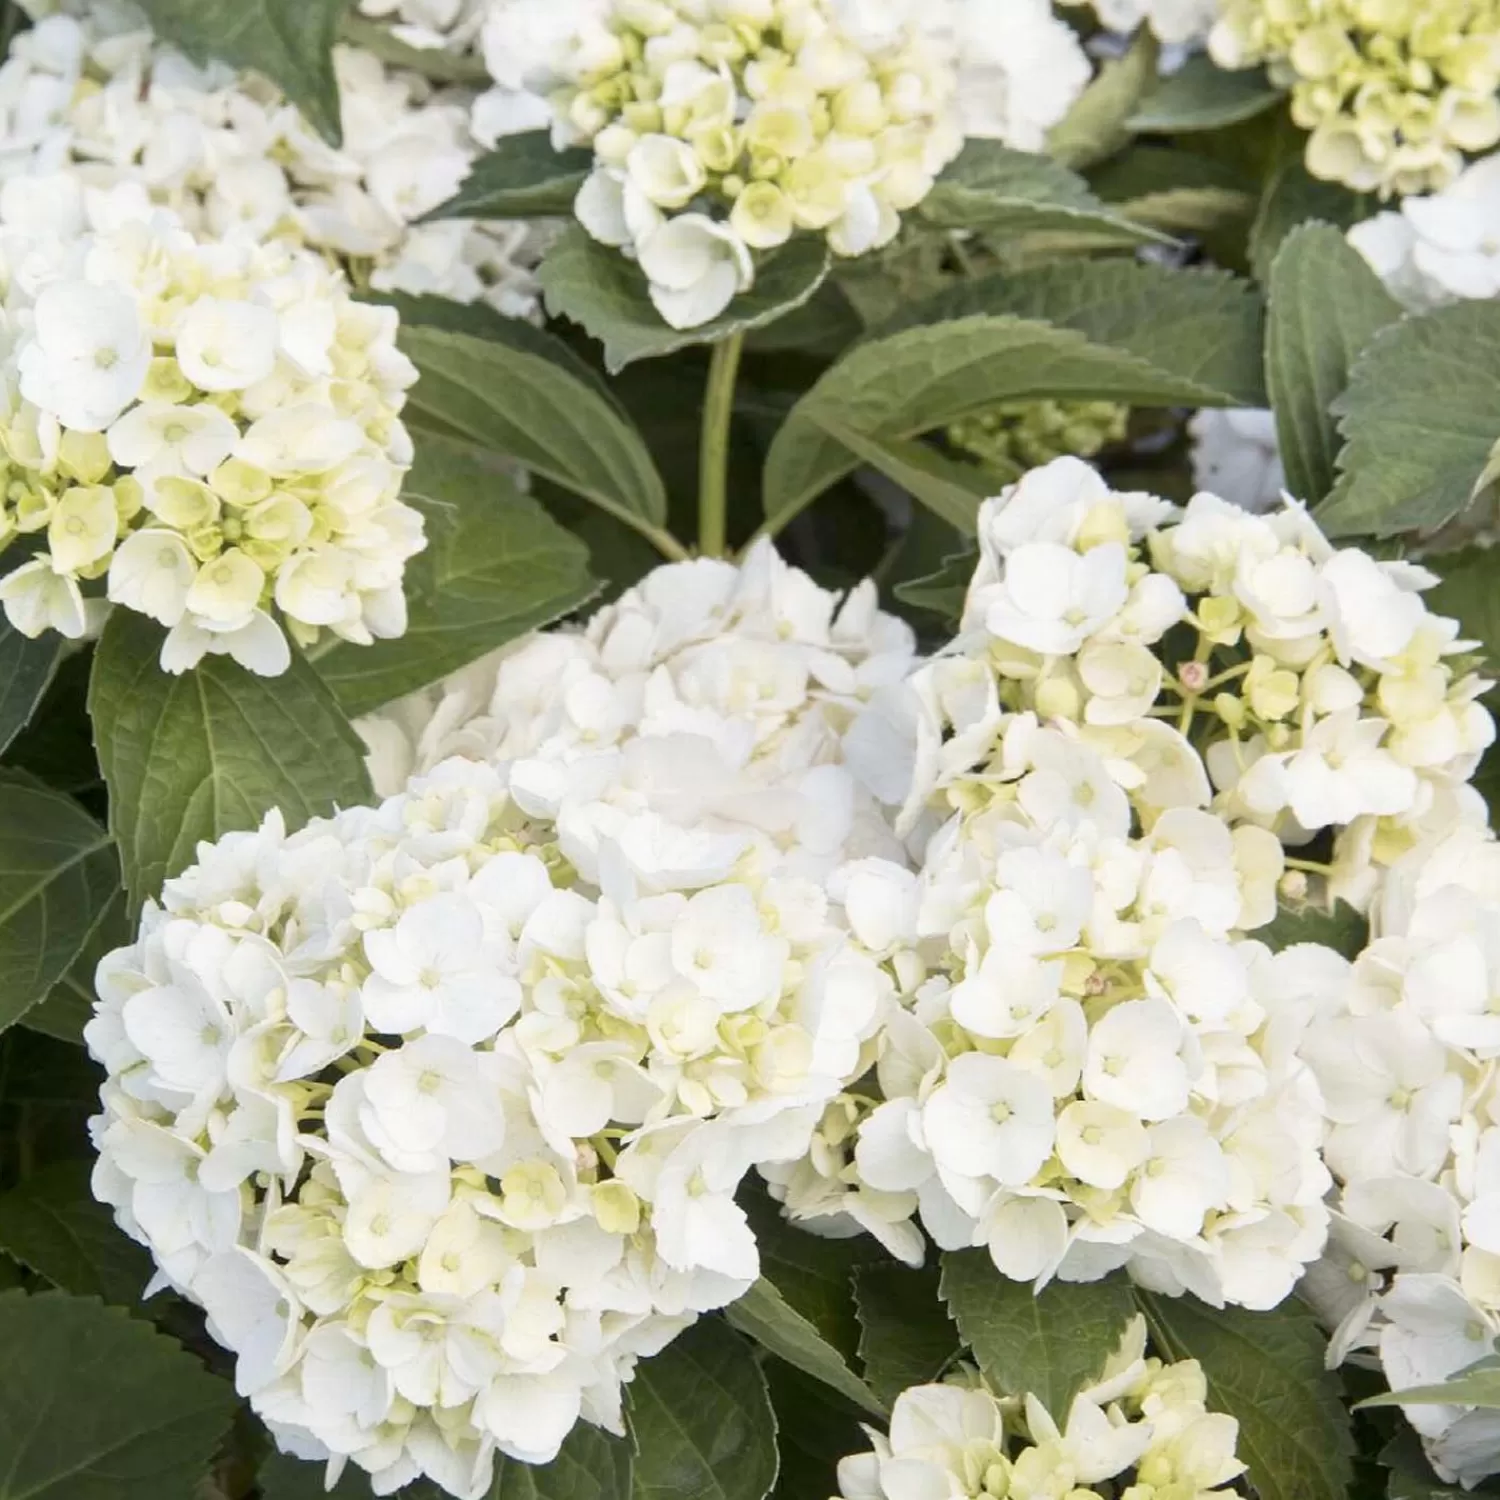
x=1324 y=305
x=1094 y=127
x=591 y=1466
x=906 y=1336
x=97 y=1406
x=26 y=669
x=1343 y=929
x=523 y=177
x=1051 y=1343
x=1265 y=1369
x=1292 y=196
x=189 y=758
x=58 y=873
x=496 y=566
x=1419 y=419
x=1010 y=194
x=701 y=1420
x=290 y=41
x=605 y=294
x=519 y=392
x=52 y=1223
x=764 y=1315
x=1201 y=96
x=946 y=486
x=70 y=1002
x=1088 y=332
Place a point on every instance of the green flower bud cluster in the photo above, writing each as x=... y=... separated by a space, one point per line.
x=1393 y=91
x=1026 y=434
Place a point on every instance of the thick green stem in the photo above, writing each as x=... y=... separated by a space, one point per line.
x=713 y=448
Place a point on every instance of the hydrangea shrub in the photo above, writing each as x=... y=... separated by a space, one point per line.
x=746 y=749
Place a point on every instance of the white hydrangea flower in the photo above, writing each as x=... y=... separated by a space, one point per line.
x=105 y=115
x=202 y=457
x=442 y=1125
x=1404 y=1047
x=762 y=668
x=1237 y=456
x=1175 y=22
x=1439 y=247
x=718 y=134
x=1142 y=1428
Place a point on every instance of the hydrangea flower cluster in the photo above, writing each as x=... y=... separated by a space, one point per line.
x=1211 y=656
x=1394 y=95
x=208 y=429
x=1142 y=1430
x=717 y=134
x=1442 y=247
x=1403 y=1043
x=438 y=1108
x=92 y=101
x=756 y=660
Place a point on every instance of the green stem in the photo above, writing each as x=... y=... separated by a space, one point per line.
x=713 y=447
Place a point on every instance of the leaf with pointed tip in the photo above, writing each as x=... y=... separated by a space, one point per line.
x=521 y=392
x=496 y=566
x=1010 y=194
x=289 y=41
x=605 y=294
x=1049 y=1344
x=58 y=872
x=523 y=177
x=1094 y=127
x=1201 y=96
x=1419 y=418
x=1324 y=304
x=437 y=63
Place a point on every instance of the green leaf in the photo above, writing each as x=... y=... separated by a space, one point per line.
x=1411 y=1476
x=496 y=566
x=943 y=591
x=97 y=1406
x=70 y=1002
x=1094 y=332
x=523 y=177
x=764 y=1315
x=52 y=1223
x=906 y=1337
x=591 y=1466
x=1010 y=194
x=1478 y=1385
x=1265 y=1369
x=26 y=669
x=290 y=41
x=58 y=873
x=1095 y=127
x=1324 y=304
x=436 y=63
x=1202 y=329
x=605 y=294
x=1343 y=929
x=1291 y=196
x=1200 y=96
x=814 y=1430
x=189 y=758
x=948 y=488
x=1419 y=417
x=518 y=391
x=1051 y=1343
x=701 y=1420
